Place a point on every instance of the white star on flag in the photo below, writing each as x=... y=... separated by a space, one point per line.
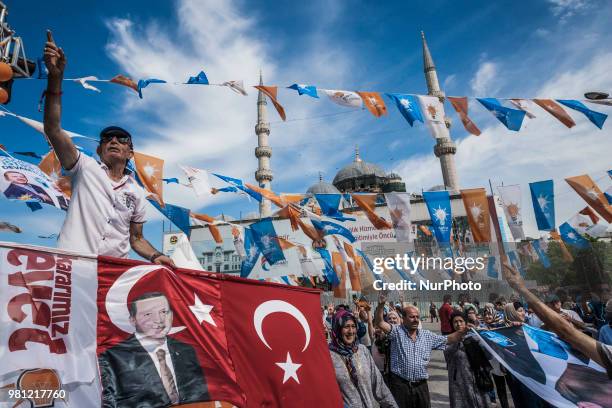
x=475 y=210
x=328 y=228
x=202 y=311
x=290 y=368
x=149 y=169
x=571 y=236
x=592 y=193
x=543 y=202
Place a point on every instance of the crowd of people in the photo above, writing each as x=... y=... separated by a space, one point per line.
x=381 y=354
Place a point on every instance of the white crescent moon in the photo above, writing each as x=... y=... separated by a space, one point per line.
x=276 y=306
x=116 y=298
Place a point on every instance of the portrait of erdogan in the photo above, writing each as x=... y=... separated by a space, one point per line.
x=149 y=368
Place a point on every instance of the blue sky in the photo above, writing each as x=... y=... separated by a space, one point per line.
x=555 y=48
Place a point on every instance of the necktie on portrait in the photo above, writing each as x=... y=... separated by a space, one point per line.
x=166 y=377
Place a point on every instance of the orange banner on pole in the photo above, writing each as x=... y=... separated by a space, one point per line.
x=477 y=209
x=590 y=192
x=271 y=92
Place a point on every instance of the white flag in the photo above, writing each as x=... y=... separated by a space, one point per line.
x=83 y=82
x=399 y=210
x=433 y=113
x=236 y=86
x=510 y=197
x=183 y=255
x=521 y=104
x=198 y=180
x=586 y=222
x=344 y=98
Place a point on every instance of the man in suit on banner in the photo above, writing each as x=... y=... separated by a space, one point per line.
x=21 y=189
x=150 y=369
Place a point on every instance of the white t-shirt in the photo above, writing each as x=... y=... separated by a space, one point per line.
x=100 y=210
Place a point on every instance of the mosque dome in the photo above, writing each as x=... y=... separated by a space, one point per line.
x=322 y=187
x=358 y=168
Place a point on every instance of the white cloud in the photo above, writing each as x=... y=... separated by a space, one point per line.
x=484 y=81
x=543 y=149
x=449 y=81
x=564 y=9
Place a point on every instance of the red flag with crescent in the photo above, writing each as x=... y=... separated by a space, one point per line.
x=278 y=346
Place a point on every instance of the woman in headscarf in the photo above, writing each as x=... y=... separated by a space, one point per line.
x=491 y=318
x=360 y=382
x=514 y=314
x=463 y=390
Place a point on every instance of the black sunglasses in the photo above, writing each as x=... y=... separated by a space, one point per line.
x=123 y=139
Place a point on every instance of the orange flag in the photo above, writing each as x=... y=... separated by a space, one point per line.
x=374 y=103
x=125 y=81
x=556 y=110
x=340 y=268
x=51 y=166
x=291 y=213
x=477 y=209
x=271 y=92
x=425 y=230
x=150 y=171
x=352 y=267
x=567 y=256
x=367 y=202
x=292 y=198
x=270 y=195
x=461 y=106
x=214 y=230
x=590 y=192
x=588 y=211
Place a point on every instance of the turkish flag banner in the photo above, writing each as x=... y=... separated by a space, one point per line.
x=276 y=340
x=162 y=337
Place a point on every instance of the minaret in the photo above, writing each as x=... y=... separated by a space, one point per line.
x=263 y=151
x=445 y=148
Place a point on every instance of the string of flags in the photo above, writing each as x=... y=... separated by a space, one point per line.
x=426 y=109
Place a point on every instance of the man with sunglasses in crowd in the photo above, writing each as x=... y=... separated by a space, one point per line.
x=107 y=207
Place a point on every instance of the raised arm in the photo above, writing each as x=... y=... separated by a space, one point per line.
x=55 y=60
x=553 y=321
x=379 y=321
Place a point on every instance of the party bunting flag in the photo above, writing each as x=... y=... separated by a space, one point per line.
x=511 y=118
x=43 y=72
x=237 y=183
x=328 y=269
x=209 y=222
x=331 y=228
x=439 y=207
x=270 y=92
x=543 y=199
x=252 y=252
x=171 y=180
x=344 y=98
x=292 y=214
x=400 y=211
x=198 y=180
x=270 y=195
x=340 y=270
x=565 y=253
x=267 y=240
x=51 y=166
x=572 y=237
x=521 y=104
x=179 y=216
x=590 y=192
x=408 y=105
x=302 y=89
x=374 y=103
x=329 y=206
x=539 y=245
x=143 y=83
x=125 y=81
x=85 y=84
x=150 y=172
x=461 y=106
x=477 y=209
x=511 y=199
x=236 y=86
x=586 y=222
x=608 y=195
x=610 y=173
x=556 y=110
x=353 y=267
x=425 y=230
x=367 y=202
x=597 y=118
x=199 y=79
x=432 y=110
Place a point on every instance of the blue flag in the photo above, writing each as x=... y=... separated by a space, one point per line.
x=329 y=204
x=439 y=207
x=171 y=180
x=572 y=237
x=199 y=79
x=597 y=118
x=511 y=118
x=33 y=205
x=516 y=262
x=43 y=72
x=178 y=215
x=252 y=252
x=267 y=240
x=331 y=228
x=610 y=173
x=302 y=89
x=237 y=183
x=329 y=271
x=408 y=105
x=492 y=268
x=541 y=254
x=543 y=198
x=143 y=83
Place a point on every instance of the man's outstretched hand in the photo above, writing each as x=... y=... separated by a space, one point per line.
x=512 y=276
x=55 y=60
x=165 y=261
